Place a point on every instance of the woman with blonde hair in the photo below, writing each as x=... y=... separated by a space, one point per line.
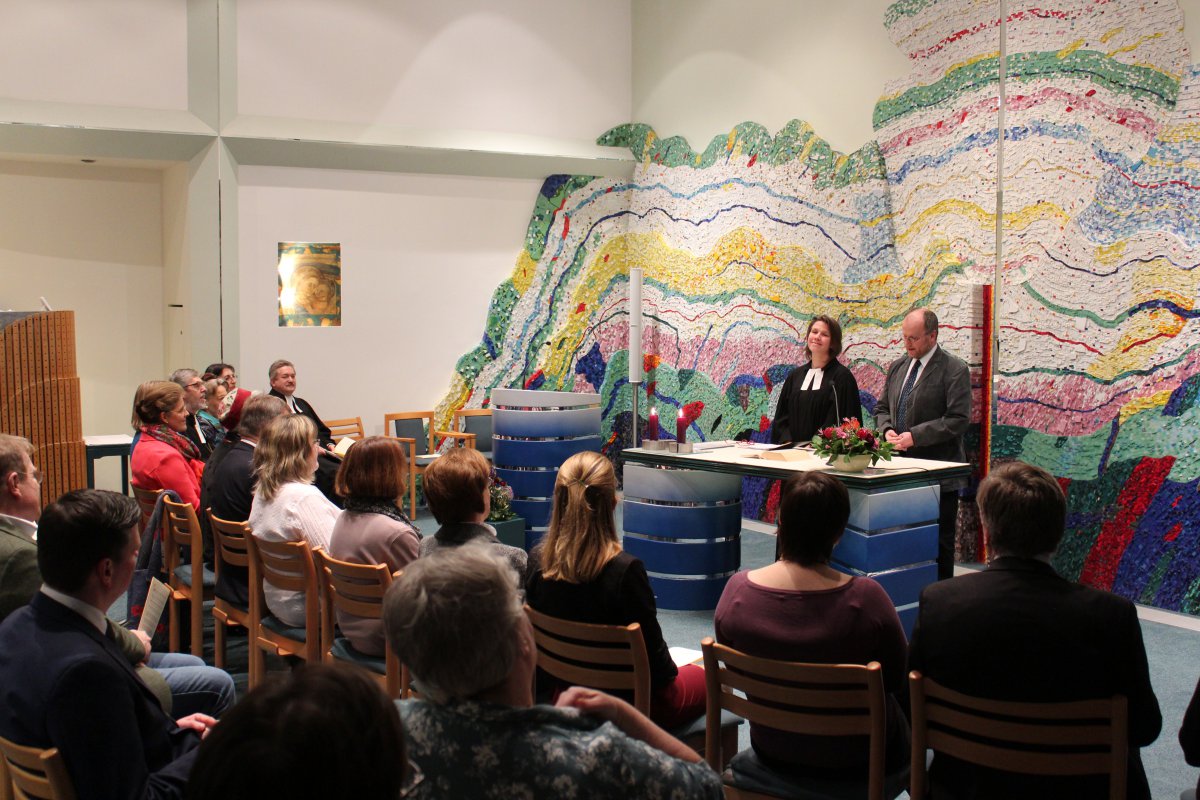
x=286 y=506
x=163 y=457
x=579 y=572
x=372 y=529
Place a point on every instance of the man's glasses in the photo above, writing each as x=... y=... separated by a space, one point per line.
x=37 y=475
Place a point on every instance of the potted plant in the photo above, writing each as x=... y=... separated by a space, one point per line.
x=850 y=447
x=510 y=528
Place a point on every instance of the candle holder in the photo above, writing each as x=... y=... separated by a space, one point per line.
x=653 y=444
x=670 y=447
x=683 y=448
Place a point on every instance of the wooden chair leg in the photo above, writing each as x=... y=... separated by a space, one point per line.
x=196 y=606
x=258 y=663
x=218 y=642
x=173 y=621
x=729 y=745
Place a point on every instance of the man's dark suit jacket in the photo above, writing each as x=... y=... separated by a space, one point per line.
x=64 y=684
x=228 y=489
x=939 y=408
x=192 y=432
x=1018 y=631
x=307 y=410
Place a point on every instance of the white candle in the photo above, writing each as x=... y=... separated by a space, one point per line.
x=635 y=325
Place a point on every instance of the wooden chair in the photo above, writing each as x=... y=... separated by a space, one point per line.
x=146 y=500
x=341 y=428
x=33 y=773
x=186 y=581
x=416 y=428
x=1083 y=737
x=612 y=658
x=231 y=549
x=479 y=422
x=817 y=699
x=288 y=566
x=357 y=589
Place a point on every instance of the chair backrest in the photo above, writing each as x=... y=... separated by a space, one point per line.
x=341 y=428
x=36 y=773
x=286 y=565
x=817 y=699
x=229 y=542
x=608 y=657
x=417 y=425
x=1082 y=737
x=477 y=421
x=182 y=530
x=146 y=500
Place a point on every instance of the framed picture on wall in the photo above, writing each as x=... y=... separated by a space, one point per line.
x=310 y=284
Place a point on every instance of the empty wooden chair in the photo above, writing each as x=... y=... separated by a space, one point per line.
x=288 y=566
x=416 y=429
x=34 y=773
x=357 y=589
x=191 y=582
x=341 y=428
x=817 y=699
x=230 y=548
x=1076 y=738
x=477 y=421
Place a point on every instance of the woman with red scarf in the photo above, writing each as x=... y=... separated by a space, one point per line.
x=163 y=457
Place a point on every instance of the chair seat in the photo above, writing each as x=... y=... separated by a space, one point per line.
x=342 y=649
x=425 y=460
x=184 y=573
x=746 y=771
x=276 y=625
x=697 y=726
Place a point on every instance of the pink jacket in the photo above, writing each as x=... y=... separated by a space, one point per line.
x=157 y=465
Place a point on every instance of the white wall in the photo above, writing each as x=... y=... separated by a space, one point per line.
x=117 y=52
x=89 y=238
x=701 y=67
x=421 y=256
x=555 y=68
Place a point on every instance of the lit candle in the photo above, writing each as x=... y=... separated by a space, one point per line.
x=652 y=425
x=681 y=428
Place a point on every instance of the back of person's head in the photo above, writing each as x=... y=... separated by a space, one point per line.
x=153 y=399
x=327 y=730
x=582 y=536
x=283 y=452
x=80 y=529
x=13 y=450
x=813 y=510
x=454 y=485
x=374 y=469
x=183 y=376
x=454 y=617
x=257 y=413
x=277 y=365
x=1023 y=510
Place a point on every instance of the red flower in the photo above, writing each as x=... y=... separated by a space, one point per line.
x=864 y=434
x=829 y=433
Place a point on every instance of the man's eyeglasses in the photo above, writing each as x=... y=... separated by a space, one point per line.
x=194 y=385
x=37 y=475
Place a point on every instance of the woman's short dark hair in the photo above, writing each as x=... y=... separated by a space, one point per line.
x=813 y=510
x=375 y=468
x=327 y=730
x=454 y=484
x=80 y=529
x=835 y=335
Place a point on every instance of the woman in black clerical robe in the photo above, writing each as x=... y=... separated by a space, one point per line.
x=820 y=393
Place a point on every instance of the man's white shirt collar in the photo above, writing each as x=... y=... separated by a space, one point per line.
x=88 y=612
x=24 y=526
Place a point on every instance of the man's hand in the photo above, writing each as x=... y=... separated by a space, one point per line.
x=200 y=723
x=145 y=640
x=599 y=704
x=901 y=441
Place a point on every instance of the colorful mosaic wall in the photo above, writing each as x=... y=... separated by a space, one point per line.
x=743 y=242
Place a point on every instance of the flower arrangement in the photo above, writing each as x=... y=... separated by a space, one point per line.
x=501 y=493
x=851 y=439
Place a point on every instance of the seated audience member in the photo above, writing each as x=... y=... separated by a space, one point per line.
x=231 y=407
x=193 y=400
x=282 y=375
x=579 y=572
x=455 y=619
x=1017 y=631
x=209 y=417
x=371 y=528
x=163 y=457
x=286 y=506
x=324 y=731
x=66 y=684
x=228 y=485
x=458 y=489
x=1189 y=732
x=802 y=609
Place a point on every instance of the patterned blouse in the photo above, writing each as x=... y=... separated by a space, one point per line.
x=483 y=750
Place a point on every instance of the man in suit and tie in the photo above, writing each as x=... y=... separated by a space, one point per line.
x=282 y=375
x=65 y=683
x=924 y=411
x=1018 y=631
x=193 y=401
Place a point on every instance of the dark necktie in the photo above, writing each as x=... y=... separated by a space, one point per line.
x=905 y=394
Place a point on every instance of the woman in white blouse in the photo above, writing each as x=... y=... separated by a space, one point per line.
x=287 y=507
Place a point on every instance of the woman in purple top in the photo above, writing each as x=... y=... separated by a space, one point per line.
x=802 y=609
